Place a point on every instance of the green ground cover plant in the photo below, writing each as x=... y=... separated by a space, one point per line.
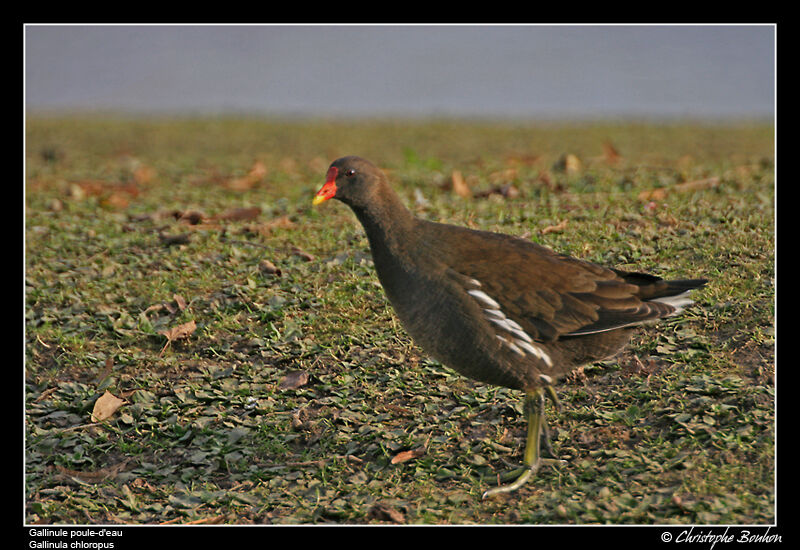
x=203 y=346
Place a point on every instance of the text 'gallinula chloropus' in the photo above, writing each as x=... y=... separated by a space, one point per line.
x=497 y=308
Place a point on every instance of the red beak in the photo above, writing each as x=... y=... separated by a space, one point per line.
x=328 y=190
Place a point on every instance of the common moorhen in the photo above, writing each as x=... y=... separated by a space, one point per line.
x=497 y=308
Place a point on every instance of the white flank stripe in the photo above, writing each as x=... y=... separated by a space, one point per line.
x=511 y=345
x=521 y=334
x=520 y=339
x=483 y=297
x=538 y=352
x=495 y=313
x=502 y=323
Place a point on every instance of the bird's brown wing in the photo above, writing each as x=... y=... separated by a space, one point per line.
x=550 y=295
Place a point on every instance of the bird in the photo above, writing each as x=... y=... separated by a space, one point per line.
x=496 y=308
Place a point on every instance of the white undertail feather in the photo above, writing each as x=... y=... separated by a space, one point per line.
x=679 y=301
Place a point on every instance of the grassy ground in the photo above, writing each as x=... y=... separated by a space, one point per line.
x=178 y=266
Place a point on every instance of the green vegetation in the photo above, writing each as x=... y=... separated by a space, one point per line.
x=178 y=265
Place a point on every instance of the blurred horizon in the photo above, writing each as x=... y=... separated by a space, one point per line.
x=517 y=72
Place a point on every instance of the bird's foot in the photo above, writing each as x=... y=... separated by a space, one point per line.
x=521 y=476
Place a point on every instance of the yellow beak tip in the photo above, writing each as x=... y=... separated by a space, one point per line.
x=318 y=200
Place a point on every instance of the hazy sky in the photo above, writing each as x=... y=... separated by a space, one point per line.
x=508 y=71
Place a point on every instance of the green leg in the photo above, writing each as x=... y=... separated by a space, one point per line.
x=534 y=413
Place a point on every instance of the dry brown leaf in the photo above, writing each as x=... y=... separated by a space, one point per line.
x=213 y=520
x=526 y=159
x=154 y=307
x=384 y=512
x=610 y=153
x=177 y=333
x=105 y=406
x=653 y=194
x=695 y=185
x=460 y=187
x=297 y=251
x=568 y=163
x=661 y=192
x=239 y=184
x=172 y=240
x=503 y=176
x=265 y=266
x=507 y=190
x=179 y=301
x=280 y=221
x=45 y=394
x=294 y=380
x=405 y=456
x=192 y=217
x=560 y=226
x=181 y=331
x=143 y=174
x=111 y=194
x=87 y=188
x=116 y=200
x=254 y=176
x=258 y=170
x=238 y=214
x=94 y=477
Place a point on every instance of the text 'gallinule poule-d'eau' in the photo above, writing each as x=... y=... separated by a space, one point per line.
x=496 y=308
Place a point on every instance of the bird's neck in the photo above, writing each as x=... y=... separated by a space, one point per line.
x=387 y=222
x=389 y=226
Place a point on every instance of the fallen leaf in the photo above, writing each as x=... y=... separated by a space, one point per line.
x=610 y=153
x=507 y=190
x=661 y=192
x=561 y=226
x=280 y=221
x=238 y=214
x=240 y=184
x=695 y=185
x=568 y=163
x=384 y=512
x=460 y=187
x=213 y=520
x=116 y=200
x=192 y=217
x=143 y=174
x=179 y=301
x=171 y=240
x=254 y=176
x=96 y=476
x=405 y=456
x=45 y=394
x=265 y=266
x=503 y=176
x=526 y=159
x=294 y=380
x=302 y=253
x=106 y=405
x=177 y=333
x=154 y=307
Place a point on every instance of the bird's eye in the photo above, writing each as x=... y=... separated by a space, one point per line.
x=350 y=173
